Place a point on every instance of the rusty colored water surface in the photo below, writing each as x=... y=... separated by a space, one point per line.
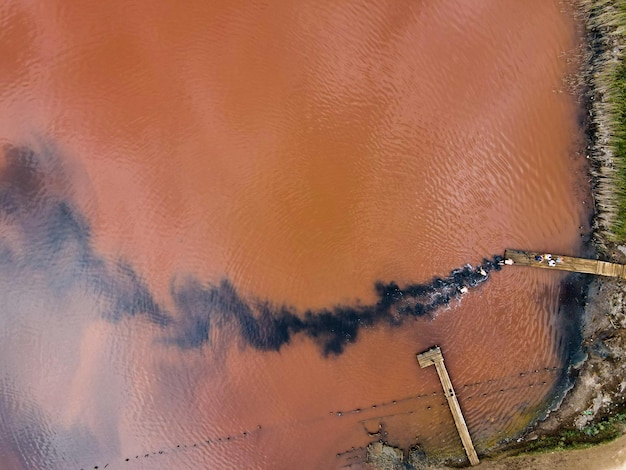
x=198 y=199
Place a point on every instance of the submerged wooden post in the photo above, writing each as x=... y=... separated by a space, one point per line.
x=434 y=356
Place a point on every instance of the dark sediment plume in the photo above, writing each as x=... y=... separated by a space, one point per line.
x=44 y=233
x=267 y=327
x=55 y=237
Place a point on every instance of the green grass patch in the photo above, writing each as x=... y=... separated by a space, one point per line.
x=595 y=433
x=606 y=73
x=617 y=99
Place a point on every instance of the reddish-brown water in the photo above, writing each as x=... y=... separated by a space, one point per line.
x=304 y=152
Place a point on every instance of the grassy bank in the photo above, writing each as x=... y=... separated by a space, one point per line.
x=617 y=96
x=594 y=433
x=605 y=79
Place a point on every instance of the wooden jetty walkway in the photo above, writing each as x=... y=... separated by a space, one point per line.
x=565 y=263
x=434 y=357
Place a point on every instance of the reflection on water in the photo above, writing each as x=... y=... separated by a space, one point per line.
x=227 y=228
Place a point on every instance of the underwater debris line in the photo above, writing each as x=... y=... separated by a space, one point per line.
x=225 y=439
x=462 y=392
x=444 y=404
x=267 y=327
x=519 y=375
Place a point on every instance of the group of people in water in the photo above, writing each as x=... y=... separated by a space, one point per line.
x=548 y=258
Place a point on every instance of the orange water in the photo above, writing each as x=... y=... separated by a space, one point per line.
x=304 y=152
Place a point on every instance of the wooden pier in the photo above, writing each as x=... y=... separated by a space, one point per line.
x=434 y=357
x=565 y=263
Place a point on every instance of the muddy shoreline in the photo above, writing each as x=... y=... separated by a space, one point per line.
x=592 y=411
x=590 y=408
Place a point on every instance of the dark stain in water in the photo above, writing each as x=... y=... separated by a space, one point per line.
x=52 y=230
x=268 y=327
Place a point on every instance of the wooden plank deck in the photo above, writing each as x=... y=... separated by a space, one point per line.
x=565 y=263
x=434 y=357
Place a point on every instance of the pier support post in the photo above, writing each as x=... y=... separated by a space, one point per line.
x=434 y=357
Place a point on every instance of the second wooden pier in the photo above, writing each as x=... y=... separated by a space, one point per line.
x=434 y=357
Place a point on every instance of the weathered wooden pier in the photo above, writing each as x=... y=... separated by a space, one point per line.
x=565 y=263
x=434 y=357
